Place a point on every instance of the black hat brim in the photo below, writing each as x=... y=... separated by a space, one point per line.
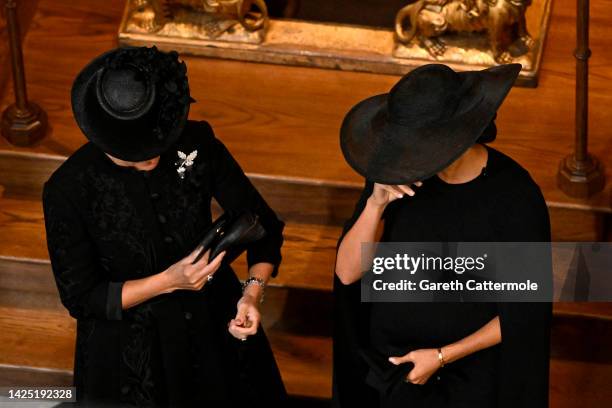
x=130 y=140
x=426 y=150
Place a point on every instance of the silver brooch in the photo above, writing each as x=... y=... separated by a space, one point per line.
x=185 y=162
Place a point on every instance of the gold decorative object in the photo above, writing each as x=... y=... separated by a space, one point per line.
x=467 y=31
x=465 y=34
x=219 y=20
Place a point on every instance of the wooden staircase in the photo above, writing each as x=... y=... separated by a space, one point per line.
x=281 y=124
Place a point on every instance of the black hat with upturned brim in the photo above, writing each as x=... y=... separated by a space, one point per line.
x=427 y=120
x=132 y=102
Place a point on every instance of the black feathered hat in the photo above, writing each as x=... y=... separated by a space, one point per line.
x=132 y=102
x=427 y=120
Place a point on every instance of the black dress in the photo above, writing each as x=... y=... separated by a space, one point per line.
x=107 y=224
x=502 y=204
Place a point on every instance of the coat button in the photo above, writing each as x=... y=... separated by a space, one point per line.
x=155 y=195
x=188 y=315
x=161 y=218
x=168 y=239
x=125 y=389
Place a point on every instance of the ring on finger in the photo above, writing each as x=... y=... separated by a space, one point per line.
x=209 y=277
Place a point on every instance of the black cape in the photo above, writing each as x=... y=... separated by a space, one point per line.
x=512 y=209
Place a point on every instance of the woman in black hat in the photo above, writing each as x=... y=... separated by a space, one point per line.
x=124 y=215
x=430 y=178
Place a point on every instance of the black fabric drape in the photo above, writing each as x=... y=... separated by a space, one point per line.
x=350 y=334
x=525 y=326
x=506 y=205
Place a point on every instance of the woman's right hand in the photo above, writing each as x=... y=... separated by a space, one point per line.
x=367 y=228
x=185 y=275
x=383 y=194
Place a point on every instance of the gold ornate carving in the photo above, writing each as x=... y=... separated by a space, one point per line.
x=221 y=20
x=465 y=34
x=468 y=31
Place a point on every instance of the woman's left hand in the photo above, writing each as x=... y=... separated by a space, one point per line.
x=247 y=318
x=425 y=362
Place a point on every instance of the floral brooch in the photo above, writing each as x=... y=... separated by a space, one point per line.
x=185 y=162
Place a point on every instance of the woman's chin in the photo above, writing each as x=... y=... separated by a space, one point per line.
x=147 y=167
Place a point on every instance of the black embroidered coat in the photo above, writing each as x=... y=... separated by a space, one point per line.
x=107 y=224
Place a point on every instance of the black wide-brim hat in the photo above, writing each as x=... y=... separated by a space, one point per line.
x=132 y=102
x=427 y=120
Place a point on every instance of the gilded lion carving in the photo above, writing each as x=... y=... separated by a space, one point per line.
x=502 y=21
x=151 y=15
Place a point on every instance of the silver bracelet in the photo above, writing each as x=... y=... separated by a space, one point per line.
x=257 y=281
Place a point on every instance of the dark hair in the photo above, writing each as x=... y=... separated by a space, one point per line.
x=489 y=134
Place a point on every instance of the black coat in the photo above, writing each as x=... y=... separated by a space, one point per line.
x=503 y=204
x=107 y=224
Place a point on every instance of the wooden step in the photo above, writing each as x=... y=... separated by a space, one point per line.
x=23 y=376
x=38 y=339
x=573 y=383
x=579 y=384
x=302 y=200
x=23 y=230
x=295 y=200
x=31 y=340
x=308 y=254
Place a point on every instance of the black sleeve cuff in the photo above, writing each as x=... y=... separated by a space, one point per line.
x=267 y=250
x=272 y=258
x=114 y=304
